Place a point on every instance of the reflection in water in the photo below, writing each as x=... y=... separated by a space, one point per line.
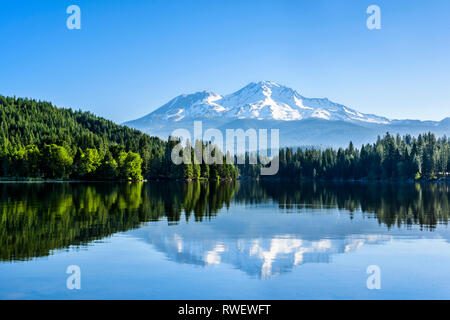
x=259 y=257
x=38 y=218
x=425 y=205
x=268 y=227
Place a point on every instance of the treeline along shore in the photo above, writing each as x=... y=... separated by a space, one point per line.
x=391 y=158
x=40 y=141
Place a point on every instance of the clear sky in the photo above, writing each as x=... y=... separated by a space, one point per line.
x=131 y=57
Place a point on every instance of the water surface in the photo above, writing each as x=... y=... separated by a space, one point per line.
x=241 y=240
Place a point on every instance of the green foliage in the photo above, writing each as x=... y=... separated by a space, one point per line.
x=389 y=158
x=87 y=163
x=56 y=161
x=109 y=169
x=38 y=140
x=130 y=166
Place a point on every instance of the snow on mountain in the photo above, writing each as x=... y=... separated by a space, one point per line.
x=200 y=104
x=268 y=105
x=264 y=100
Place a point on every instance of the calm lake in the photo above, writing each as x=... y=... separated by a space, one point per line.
x=241 y=240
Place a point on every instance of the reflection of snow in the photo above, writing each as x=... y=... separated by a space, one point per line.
x=179 y=242
x=322 y=245
x=277 y=247
x=299 y=256
x=213 y=256
x=260 y=257
x=353 y=246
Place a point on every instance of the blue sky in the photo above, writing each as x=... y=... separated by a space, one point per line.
x=131 y=57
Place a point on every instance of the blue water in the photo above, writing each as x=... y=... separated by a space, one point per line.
x=245 y=246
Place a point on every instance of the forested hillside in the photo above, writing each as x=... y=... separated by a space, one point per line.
x=39 y=140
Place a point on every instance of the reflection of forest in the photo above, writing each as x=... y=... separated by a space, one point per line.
x=37 y=218
x=408 y=204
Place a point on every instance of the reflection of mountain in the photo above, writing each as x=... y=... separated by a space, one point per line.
x=262 y=257
x=331 y=219
x=263 y=242
x=38 y=218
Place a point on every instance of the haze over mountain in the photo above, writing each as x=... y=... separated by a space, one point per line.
x=268 y=105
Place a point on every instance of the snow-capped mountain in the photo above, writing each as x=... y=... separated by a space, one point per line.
x=264 y=100
x=269 y=105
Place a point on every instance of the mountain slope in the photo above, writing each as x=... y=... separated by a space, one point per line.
x=268 y=105
x=262 y=101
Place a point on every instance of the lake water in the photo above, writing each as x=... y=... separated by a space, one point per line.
x=242 y=240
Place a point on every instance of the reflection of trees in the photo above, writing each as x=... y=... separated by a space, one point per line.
x=393 y=204
x=202 y=199
x=37 y=218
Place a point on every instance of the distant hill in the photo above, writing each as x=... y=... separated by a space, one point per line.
x=38 y=140
x=28 y=121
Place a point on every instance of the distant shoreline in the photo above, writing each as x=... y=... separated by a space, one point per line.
x=267 y=179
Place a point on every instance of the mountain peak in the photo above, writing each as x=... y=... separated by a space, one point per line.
x=263 y=100
x=270 y=105
x=266 y=83
x=199 y=95
x=266 y=86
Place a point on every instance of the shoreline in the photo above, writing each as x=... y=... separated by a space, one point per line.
x=26 y=180
x=267 y=179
